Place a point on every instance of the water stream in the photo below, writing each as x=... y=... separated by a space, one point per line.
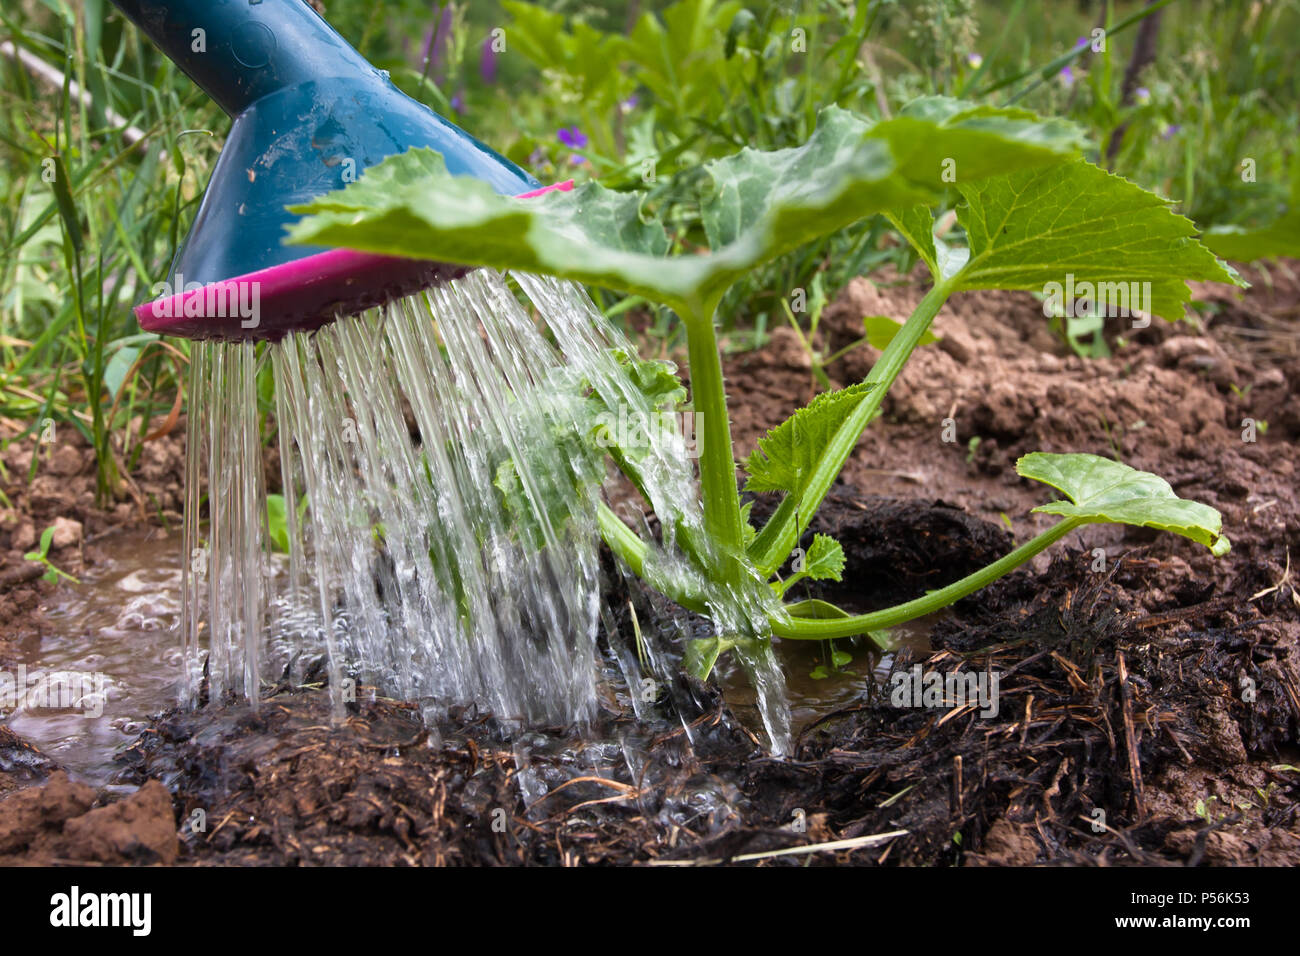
x=440 y=505
x=439 y=512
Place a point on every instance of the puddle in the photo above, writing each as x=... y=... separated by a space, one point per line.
x=114 y=635
x=812 y=698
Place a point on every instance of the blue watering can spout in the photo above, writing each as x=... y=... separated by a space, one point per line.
x=310 y=114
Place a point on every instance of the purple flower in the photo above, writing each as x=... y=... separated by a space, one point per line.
x=458 y=102
x=629 y=104
x=1142 y=95
x=1067 y=76
x=487 y=61
x=974 y=60
x=1170 y=131
x=572 y=137
x=1080 y=43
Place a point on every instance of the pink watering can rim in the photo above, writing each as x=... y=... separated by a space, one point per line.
x=301 y=295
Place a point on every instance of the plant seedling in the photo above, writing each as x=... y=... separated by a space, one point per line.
x=42 y=556
x=1031 y=210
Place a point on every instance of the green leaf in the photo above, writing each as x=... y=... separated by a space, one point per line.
x=703 y=653
x=277 y=522
x=1279 y=238
x=755 y=207
x=881 y=330
x=748 y=531
x=656 y=379
x=940 y=140
x=787 y=455
x=47 y=538
x=841 y=659
x=824 y=560
x=916 y=223
x=67 y=205
x=1035 y=227
x=813 y=609
x=1102 y=490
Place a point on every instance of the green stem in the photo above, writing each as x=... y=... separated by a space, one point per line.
x=625 y=543
x=782 y=532
x=820 y=629
x=717 y=462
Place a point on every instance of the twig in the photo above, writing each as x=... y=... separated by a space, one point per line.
x=856 y=843
x=1126 y=707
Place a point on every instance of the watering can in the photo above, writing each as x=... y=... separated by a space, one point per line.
x=310 y=115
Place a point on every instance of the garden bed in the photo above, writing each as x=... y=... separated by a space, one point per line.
x=1122 y=682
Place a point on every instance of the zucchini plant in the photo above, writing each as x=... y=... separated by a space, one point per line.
x=1031 y=210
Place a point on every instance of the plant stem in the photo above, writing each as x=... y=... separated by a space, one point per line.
x=717 y=462
x=782 y=532
x=625 y=543
x=808 y=629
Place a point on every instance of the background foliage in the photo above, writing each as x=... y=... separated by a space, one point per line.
x=628 y=92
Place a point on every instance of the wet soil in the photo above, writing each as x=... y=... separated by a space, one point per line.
x=1149 y=708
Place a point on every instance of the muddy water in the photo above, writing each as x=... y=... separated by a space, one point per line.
x=119 y=624
x=812 y=698
x=117 y=627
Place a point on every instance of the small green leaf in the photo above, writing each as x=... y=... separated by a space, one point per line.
x=747 y=530
x=820 y=672
x=881 y=330
x=917 y=226
x=841 y=659
x=1102 y=490
x=813 y=609
x=1039 y=226
x=47 y=537
x=656 y=379
x=825 y=559
x=786 y=456
x=277 y=522
x=703 y=653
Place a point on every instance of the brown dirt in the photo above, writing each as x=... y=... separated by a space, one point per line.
x=1162 y=691
x=59 y=823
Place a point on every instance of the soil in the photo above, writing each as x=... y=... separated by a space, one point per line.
x=1149 y=694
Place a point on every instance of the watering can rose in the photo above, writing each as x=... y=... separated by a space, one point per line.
x=233 y=299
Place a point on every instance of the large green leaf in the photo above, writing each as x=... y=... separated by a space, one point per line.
x=1102 y=490
x=1279 y=238
x=914 y=149
x=1034 y=227
x=758 y=205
